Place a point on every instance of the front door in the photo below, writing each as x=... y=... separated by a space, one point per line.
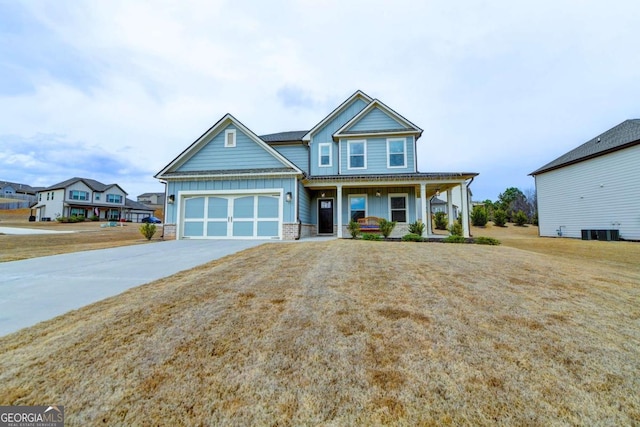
x=325 y=216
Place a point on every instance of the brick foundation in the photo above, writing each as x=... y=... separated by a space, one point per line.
x=169 y=232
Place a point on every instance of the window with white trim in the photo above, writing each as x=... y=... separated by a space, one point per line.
x=230 y=138
x=357 y=151
x=397 y=153
x=357 y=206
x=114 y=198
x=398 y=207
x=78 y=195
x=324 y=154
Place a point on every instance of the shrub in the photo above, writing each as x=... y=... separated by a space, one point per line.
x=479 y=216
x=412 y=237
x=520 y=218
x=454 y=239
x=456 y=229
x=499 y=217
x=534 y=219
x=386 y=227
x=371 y=236
x=354 y=228
x=440 y=220
x=417 y=228
x=148 y=230
x=94 y=218
x=481 y=240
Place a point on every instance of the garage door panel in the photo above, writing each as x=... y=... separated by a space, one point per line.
x=218 y=208
x=267 y=228
x=268 y=207
x=217 y=229
x=193 y=229
x=194 y=207
x=243 y=207
x=243 y=229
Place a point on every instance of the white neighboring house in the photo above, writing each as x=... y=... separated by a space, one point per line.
x=593 y=187
x=87 y=197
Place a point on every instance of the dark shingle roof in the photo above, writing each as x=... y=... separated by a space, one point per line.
x=131 y=204
x=92 y=183
x=624 y=135
x=290 y=136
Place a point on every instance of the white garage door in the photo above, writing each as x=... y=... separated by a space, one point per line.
x=248 y=216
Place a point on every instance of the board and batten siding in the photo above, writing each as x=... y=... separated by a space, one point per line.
x=325 y=134
x=376 y=156
x=247 y=154
x=600 y=193
x=286 y=184
x=376 y=119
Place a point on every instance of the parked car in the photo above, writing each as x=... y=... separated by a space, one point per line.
x=151 y=219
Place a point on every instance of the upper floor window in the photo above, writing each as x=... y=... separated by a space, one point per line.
x=97 y=196
x=114 y=198
x=324 y=154
x=397 y=153
x=230 y=138
x=357 y=155
x=78 y=195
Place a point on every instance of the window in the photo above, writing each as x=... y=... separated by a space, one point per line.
x=230 y=138
x=97 y=196
x=357 y=207
x=324 y=154
x=47 y=196
x=398 y=207
x=53 y=193
x=396 y=153
x=114 y=198
x=357 y=155
x=78 y=195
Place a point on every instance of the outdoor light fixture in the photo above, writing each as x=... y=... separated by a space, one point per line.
x=378 y=193
x=322 y=194
x=437 y=191
x=288 y=196
x=172 y=198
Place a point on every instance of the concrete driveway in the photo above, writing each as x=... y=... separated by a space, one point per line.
x=38 y=289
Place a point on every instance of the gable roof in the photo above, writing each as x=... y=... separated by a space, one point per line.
x=376 y=103
x=131 y=204
x=91 y=183
x=20 y=188
x=357 y=95
x=199 y=143
x=624 y=135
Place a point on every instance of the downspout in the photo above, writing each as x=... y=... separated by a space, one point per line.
x=469 y=206
x=166 y=200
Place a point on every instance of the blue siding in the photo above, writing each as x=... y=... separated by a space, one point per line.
x=247 y=154
x=297 y=154
x=304 y=206
x=379 y=206
x=287 y=184
x=376 y=119
x=325 y=133
x=377 y=157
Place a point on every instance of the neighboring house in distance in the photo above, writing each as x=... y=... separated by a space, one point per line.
x=154 y=200
x=135 y=211
x=23 y=194
x=358 y=161
x=86 y=197
x=594 y=186
x=439 y=205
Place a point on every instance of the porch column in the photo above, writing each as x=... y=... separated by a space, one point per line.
x=339 y=208
x=450 y=207
x=464 y=198
x=429 y=225
x=423 y=207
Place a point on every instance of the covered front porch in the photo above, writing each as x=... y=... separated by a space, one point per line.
x=336 y=200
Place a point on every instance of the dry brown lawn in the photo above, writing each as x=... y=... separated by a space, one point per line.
x=87 y=236
x=352 y=333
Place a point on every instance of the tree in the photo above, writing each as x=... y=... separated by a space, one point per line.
x=511 y=201
x=479 y=216
x=440 y=220
x=499 y=218
x=520 y=218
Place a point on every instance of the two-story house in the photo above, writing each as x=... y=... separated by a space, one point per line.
x=86 y=197
x=359 y=161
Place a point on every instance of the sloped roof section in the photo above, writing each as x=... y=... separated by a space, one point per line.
x=389 y=116
x=624 y=135
x=290 y=136
x=357 y=95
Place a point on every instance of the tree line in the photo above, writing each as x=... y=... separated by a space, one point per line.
x=513 y=205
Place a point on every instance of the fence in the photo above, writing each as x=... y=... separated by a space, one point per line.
x=17 y=201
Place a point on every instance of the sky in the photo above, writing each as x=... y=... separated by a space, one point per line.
x=115 y=90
